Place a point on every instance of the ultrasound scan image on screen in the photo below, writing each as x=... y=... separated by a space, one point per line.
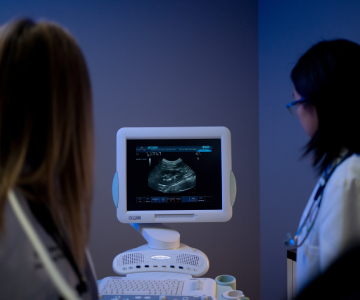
x=172 y=177
x=182 y=174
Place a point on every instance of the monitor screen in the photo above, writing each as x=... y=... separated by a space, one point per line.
x=173 y=174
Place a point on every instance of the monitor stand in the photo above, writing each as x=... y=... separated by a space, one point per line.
x=162 y=253
x=158 y=236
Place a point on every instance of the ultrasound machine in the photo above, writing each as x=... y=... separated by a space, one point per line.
x=170 y=175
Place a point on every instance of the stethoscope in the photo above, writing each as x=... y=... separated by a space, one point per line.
x=316 y=203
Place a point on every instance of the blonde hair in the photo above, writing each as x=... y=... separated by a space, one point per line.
x=46 y=126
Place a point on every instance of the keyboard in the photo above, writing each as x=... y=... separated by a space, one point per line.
x=153 y=297
x=177 y=287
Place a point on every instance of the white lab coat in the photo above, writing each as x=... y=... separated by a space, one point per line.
x=337 y=227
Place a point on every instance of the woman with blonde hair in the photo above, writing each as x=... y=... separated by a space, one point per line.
x=46 y=160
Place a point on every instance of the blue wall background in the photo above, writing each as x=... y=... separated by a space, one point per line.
x=286 y=30
x=170 y=63
x=192 y=63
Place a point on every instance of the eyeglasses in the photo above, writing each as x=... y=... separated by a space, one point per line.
x=292 y=106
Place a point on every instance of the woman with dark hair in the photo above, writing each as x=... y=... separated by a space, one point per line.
x=46 y=160
x=327 y=101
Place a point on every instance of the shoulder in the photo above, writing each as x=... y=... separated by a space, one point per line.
x=341 y=196
x=353 y=166
x=17 y=253
x=347 y=172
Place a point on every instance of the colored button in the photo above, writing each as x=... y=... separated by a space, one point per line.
x=193 y=199
x=155 y=199
x=185 y=199
x=163 y=199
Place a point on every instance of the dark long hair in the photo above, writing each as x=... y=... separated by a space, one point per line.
x=46 y=126
x=328 y=74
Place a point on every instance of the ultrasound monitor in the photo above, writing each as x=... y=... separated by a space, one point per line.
x=173 y=175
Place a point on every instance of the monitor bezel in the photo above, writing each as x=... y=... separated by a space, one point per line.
x=133 y=133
